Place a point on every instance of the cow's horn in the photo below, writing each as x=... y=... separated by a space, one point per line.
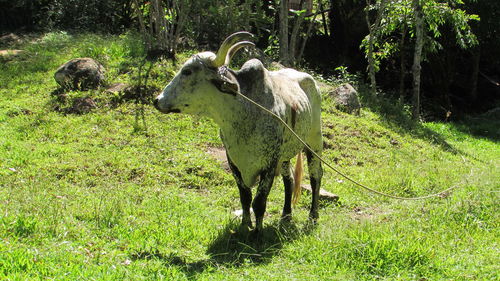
x=235 y=49
x=230 y=41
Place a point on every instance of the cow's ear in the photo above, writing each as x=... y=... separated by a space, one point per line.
x=226 y=84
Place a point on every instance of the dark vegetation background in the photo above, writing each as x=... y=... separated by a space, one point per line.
x=95 y=184
x=460 y=81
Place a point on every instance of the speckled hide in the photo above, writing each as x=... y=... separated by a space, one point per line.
x=257 y=145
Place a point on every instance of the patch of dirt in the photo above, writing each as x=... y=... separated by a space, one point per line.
x=368 y=213
x=82 y=105
x=329 y=125
x=327 y=145
x=328 y=135
x=219 y=153
x=17 y=112
x=6 y=53
x=58 y=92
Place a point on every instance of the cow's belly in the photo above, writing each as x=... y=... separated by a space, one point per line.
x=249 y=162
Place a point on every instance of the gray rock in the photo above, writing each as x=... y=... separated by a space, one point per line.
x=346 y=98
x=80 y=74
x=118 y=88
x=323 y=194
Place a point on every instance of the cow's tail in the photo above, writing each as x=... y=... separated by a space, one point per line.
x=297 y=178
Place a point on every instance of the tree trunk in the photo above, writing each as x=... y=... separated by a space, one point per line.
x=284 y=50
x=373 y=30
x=371 y=60
x=417 y=58
x=142 y=26
x=323 y=18
x=182 y=10
x=294 y=38
x=156 y=8
x=402 y=65
x=160 y=35
x=304 y=40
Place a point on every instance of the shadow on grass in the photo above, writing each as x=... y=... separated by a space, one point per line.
x=396 y=116
x=236 y=248
x=483 y=126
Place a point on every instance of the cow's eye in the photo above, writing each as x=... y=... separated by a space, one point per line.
x=186 y=72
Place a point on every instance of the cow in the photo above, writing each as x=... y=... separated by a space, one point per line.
x=258 y=146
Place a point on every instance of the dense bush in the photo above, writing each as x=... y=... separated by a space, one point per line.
x=454 y=80
x=90 y=15
x=209 y=21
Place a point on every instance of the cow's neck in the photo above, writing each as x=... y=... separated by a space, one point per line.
x=237 y=123
x=236 y=117
x=231 y=114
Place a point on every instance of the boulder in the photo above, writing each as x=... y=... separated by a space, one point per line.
x=346 y=98
x=80 y=74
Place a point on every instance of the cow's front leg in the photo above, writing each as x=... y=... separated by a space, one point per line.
x=245 y=196
x=259 y=202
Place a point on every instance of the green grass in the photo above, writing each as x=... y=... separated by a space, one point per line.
x=124 y=192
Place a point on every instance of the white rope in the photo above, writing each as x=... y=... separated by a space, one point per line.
x=441 y=193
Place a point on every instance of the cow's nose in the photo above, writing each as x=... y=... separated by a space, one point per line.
x=155 y=103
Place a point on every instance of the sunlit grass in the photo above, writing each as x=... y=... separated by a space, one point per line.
x=107 y=196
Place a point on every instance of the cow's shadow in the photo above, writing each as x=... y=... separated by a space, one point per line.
x=235 y=247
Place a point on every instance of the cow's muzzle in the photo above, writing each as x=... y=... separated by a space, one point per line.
x=156 y=104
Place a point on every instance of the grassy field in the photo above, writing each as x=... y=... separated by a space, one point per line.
x=124 y=192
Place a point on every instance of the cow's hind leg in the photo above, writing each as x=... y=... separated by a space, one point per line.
x=288 y=181
x=315 y=175
x=245 y=195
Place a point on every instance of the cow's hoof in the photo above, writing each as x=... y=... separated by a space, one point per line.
x=313 y=216
x=255 y=235
x=245 y=226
